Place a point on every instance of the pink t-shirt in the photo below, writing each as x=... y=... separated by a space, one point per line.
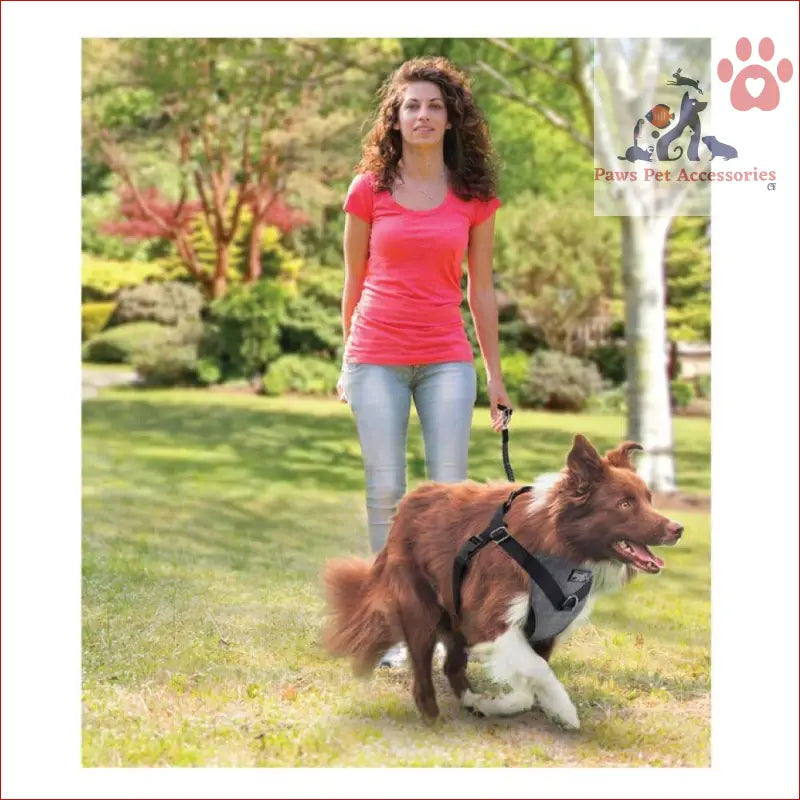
x=409 y=310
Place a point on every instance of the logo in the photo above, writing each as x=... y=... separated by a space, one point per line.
x=657 y=148
x=755 y=86
x=662 y=117
x=579 y=576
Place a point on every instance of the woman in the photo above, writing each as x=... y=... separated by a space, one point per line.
x=424 y=194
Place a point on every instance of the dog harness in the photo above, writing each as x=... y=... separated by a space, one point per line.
x=559 y=588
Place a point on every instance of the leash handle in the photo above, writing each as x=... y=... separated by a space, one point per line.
x=506 y=414
x=506 y=461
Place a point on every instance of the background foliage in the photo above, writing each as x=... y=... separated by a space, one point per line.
x=276 y=124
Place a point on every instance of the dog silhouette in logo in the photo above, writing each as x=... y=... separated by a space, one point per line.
x=689 y=118
x=634 y=152
x=724 y=151
x=682 y=80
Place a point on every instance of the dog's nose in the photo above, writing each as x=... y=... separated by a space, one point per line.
x=675 y=529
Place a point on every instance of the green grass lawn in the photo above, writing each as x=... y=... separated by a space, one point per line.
x=207 y=519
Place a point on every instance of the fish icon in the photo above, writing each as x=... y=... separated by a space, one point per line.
x=659 y=115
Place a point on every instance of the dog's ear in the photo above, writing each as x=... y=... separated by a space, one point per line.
x=584 y=463
x=620 y=456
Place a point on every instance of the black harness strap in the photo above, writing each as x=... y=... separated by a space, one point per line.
x=498 y=533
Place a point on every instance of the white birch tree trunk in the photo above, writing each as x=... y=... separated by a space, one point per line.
x=649 y=411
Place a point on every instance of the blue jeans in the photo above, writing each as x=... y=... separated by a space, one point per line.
x=380 y=398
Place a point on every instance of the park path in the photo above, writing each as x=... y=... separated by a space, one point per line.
x=93 y=380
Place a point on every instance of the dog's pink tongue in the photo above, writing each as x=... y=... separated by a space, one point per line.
x=646 y=557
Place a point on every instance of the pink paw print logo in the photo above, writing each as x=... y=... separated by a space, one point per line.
x=755 y=86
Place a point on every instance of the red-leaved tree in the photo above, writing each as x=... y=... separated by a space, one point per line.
x=229 y=107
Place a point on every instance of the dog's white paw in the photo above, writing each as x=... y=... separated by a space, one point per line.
x=556 y=703
x=505 y=705
x=560 y=708
x=567 y=718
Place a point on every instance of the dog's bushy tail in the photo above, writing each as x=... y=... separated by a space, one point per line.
x=359 y=609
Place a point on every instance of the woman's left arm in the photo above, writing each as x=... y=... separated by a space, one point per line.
x=483 y=305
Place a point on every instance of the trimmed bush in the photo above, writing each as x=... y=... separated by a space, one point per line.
x=682 y=393
x=559 y=382
x=301 y=375
x=169 y=303
x=243 y=329
x=167 y=364
x=120 y=344
x=94 y=317
x=171 y=361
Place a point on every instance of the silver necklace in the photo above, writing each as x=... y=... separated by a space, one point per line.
x=427 y=195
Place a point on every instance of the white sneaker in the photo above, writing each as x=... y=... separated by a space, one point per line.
x=394 y=657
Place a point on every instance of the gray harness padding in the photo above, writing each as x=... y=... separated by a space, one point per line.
x=545 y=620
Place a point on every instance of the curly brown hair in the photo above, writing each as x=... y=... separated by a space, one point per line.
x=468 y=152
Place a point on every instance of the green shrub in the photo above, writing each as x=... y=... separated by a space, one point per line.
x=682 y=393
x=120 y=344
x=301 y=375
x=172 y=360
x=312 y=324
x=514 y=367
x=610 y=361
x=559 y=382
x=243 y=329
x=208 y=372
x=702 y=386
x=609 y=401
x=102 y=278
x=169 y=303
x=94 y=317
x=167 y=364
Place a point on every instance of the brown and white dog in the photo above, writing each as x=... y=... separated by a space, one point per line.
x=598 y=512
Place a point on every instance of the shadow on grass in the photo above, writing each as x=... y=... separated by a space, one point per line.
x=189 y=439
x=322 y=449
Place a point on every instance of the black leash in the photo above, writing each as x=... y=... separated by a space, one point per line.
x=506 y=462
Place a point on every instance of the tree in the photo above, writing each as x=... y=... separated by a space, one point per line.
x=158 y=218
x=560 y=264
x=237 y=117
x=688 y=275
x=625 y=83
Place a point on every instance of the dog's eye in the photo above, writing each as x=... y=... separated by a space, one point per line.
x=626 y=503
